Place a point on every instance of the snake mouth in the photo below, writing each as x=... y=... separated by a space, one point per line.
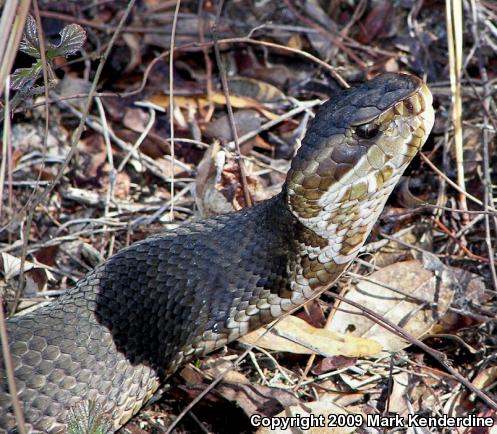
x=405 y=127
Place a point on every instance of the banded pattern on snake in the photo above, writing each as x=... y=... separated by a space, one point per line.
x=133 y=320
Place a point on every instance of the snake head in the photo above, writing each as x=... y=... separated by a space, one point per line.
x=359 y=140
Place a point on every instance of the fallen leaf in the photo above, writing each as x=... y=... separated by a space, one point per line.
x=403 y=309
x=329 y=418
x=245 y=121
x=11 y=266
x=485 y=377
x=294 y=335
x=36 y=275
x=202 y=103
x=256 y=89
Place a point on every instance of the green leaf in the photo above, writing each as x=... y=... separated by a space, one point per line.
x=72 y=38
x=30 y=43
x=25 y=77
x=88 y=418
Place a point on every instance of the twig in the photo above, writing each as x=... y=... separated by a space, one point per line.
x=9 y=369
x=455 y=41
x=141 y=138
x=207 y=60
x=109 y=196
x=452 y=183
x=487 y=183
x=289 y=114
x=171 y=102
x=465 y=249
x=224 y=82
x=5 y=141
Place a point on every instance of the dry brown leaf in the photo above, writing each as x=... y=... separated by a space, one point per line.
x=400 y=393
x=255 y=399
x=136 y=119
x=11 y=266
x=211 y=201
x=218 y=183
x=325 y=411
x=414 y=281
x=191 y=376
x=36 y=275
x=202 y=103
x=485 y=377
x=294 y=335
x=256 y=90
x=245 y=121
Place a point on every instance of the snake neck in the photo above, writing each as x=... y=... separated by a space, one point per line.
x=333 y=224
x=310 y=272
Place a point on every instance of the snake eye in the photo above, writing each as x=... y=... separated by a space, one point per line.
x=367 y=131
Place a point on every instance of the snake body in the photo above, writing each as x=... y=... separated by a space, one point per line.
x=162 y=301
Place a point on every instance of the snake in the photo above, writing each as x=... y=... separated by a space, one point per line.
x=116 y=336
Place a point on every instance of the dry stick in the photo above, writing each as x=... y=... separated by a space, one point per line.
x=453 y=184
x=79 y=130
x=9 y=369
x=207 y=60
x=437 y=355
x=6 y=142
x=454 y=42
x=3 y=327
x=141 y=138
x=487 y=184
x=464 y=248
x=109 y=196
x=171 y=103
x=224 y=81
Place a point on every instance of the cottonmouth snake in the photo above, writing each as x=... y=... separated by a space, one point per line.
x=134 y=319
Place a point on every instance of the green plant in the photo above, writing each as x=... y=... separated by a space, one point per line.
x=72 y=38
x=88 y=418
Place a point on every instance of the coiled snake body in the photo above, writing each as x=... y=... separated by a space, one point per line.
x=164 y=300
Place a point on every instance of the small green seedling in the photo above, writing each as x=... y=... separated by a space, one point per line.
x=88 y=418
x=72 y=38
